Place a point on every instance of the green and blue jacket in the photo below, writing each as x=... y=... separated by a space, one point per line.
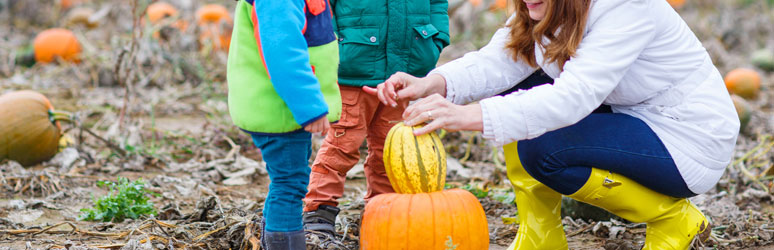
x=380 y=37
x=282 y=66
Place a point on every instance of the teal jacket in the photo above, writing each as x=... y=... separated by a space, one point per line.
x=282 y=66
x=379 y=37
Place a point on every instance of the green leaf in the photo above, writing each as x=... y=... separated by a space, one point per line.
x=124 y=199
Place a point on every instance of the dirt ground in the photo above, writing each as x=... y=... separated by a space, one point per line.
x=159 y=97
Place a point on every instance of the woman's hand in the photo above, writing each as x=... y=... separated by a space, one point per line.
x=402 y=87
x=440 y=113
x=320 y=126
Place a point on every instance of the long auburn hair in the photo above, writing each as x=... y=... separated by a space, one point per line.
x=566 y=16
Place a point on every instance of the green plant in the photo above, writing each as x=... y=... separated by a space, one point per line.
x=450 y=244
x=476 y=191
x=124 y=200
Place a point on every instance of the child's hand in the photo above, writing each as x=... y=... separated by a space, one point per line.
x=320 y=126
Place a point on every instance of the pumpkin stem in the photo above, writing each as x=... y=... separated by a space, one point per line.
x=467 y=150
x=56 y=115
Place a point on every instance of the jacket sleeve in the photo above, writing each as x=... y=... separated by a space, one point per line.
x=279 y=29
x=439 y=17
x=483 y=73
x=618 y=33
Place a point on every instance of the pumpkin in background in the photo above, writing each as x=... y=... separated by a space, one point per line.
x=29 y=134
x=743 y=82
x=449 y=219
x=56 y=43
x=743 y=109
x=158 y=11
x=414 y=164
x=498 y=5
x=66 y=4
x=81 y=16
x=763 y=59
x=215 y=25
x=676 y=3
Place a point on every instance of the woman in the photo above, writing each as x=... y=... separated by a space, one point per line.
x=670 y=135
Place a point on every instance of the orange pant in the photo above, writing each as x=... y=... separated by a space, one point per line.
x=363 y=117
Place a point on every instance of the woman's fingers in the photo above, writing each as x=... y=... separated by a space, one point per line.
x=439 y=113
x=429 y=103
x=420 y=117
x=380 y=93
x=395 y=82
x=430 y=127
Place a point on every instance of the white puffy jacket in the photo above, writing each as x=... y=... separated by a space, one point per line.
x=637 y=56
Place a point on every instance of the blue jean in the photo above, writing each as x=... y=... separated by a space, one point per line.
x=562 y=159
x=287 y=161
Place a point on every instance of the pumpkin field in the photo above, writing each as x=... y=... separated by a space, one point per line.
x=115 y=134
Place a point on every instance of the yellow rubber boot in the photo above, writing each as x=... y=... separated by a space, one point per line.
x=540 y=222
x=672 y=223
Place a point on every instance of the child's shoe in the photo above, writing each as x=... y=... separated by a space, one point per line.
x=282 y=240
x=321 y=220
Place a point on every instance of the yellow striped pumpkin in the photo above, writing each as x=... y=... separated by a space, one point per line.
x=414 y=164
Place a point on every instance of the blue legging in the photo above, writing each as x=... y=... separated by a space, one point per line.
x=562 y=159
x=287 y=161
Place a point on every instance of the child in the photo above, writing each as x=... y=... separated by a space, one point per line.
x=377 y=38
x=282 y=70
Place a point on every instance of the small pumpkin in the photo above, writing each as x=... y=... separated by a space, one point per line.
x=56 y=43
x=449 y=219
x=763 y=59
x=215 y=25
x=212 y=13
x=414 y=164
x=66 y=4
x=82 y=16
x=676 y=3
x=29 y=134
x=743 y=82
x=159 y=10
x=498 y=5
x=743 y=110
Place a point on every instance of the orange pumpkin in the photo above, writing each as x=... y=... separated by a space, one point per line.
x=66 y=4
x=498 y=5
x=743 y=82
x=159 y=10
x=29 y=134
x=475 y=2
x=449 y=219
x=676 y=3
x=56 y=43
x=215 y=25
x=212 y=13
